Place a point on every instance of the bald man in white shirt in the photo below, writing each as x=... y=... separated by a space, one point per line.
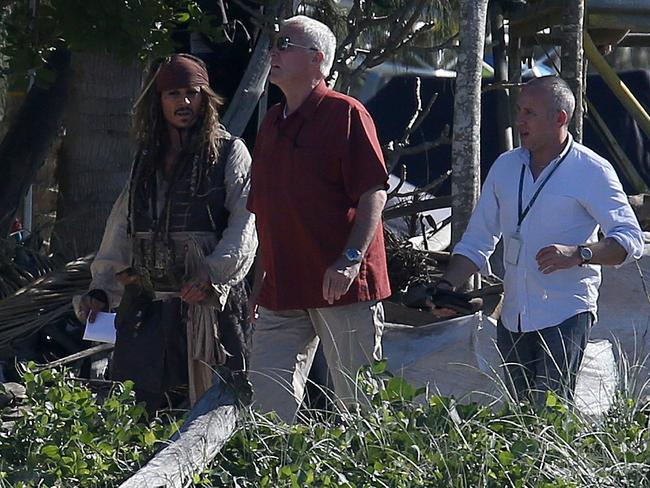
x=548 y=199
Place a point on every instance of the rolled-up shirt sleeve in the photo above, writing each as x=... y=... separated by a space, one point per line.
x=114 y=254
x=608 y=205
x=483 y=231
x=235 y=252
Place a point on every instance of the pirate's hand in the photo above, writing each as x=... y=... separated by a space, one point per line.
x=197 y=289
x=88 y=305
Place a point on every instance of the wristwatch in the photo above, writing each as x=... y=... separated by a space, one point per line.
x=353 y=255
x=585 y=254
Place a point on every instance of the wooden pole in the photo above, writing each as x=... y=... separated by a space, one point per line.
x=76 y=356
x=514 y=76
x=253 y=82
x=250 y=88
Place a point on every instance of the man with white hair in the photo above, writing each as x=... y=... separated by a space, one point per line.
x=318 y=189
x=549 y=199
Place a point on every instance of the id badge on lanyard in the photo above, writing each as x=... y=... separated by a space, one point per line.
x=515 y=241
x=513 y=248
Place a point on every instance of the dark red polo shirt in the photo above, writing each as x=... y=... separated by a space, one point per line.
x=308 y=173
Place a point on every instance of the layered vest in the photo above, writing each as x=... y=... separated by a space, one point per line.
x=193 y=204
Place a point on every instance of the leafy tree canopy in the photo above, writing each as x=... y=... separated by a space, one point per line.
x=128 y=29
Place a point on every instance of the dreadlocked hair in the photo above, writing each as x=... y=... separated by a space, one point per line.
x=149 y=123
x=150 y=131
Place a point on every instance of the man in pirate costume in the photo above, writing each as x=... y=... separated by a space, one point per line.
x=178 y=243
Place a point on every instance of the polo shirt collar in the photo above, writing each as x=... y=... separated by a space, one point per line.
x=308 y=108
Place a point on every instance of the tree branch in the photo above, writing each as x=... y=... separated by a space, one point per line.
x=404 y=210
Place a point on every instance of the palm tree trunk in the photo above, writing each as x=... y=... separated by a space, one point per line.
x=572 y=58
x=97 y=149
x=465 y=166
x=29 y=138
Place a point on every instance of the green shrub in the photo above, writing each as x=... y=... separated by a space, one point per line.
x=70 y=439
x=67 y=438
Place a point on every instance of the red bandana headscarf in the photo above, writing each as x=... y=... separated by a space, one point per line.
x=181 y=72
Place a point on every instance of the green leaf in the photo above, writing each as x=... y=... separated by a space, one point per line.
x=551 y=399
x=50 y=451
x=398 y=389
x=149 y=438
x=379 y=367
x=506 y=458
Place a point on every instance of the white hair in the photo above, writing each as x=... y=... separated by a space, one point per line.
x=319 y=35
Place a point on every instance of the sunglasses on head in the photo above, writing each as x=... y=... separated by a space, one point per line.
x=283 y=43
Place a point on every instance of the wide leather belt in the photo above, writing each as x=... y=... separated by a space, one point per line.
x=163 y=259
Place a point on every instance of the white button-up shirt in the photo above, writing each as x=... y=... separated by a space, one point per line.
x=581 y=196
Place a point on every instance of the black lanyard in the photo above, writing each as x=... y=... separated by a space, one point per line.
x=522 y=215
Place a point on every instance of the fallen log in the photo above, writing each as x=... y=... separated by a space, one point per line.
x=75 y=357
x=403 y=210
x=210 y=424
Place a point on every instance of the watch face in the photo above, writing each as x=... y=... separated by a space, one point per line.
x=585 y=253
x=353 y=255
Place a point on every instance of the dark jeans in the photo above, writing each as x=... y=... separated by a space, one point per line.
x=544 y=360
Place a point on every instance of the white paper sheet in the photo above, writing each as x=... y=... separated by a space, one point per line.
x=102 y=329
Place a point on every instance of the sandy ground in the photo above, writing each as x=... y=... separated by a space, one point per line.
x=624 y=313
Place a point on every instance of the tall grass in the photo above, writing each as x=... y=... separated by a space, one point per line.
x=402 y=441
x=405 y=438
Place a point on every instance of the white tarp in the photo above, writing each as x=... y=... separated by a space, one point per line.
x=459 y=358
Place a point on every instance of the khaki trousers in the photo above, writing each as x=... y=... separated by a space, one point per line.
x=285 y=342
